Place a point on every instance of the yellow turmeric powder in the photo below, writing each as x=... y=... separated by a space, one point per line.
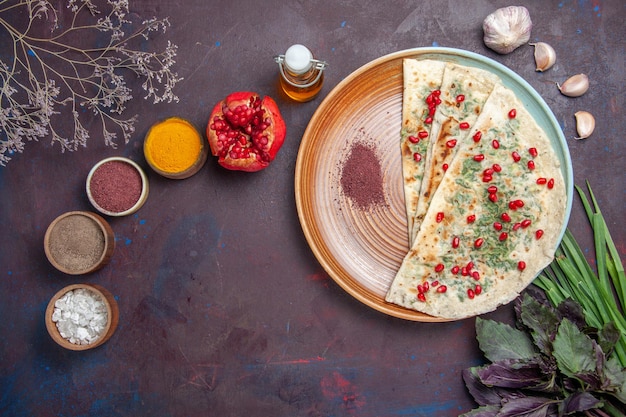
x=173 y=146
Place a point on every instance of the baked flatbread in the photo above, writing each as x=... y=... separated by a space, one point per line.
x=421 y=78
x=464 y=91
x=475 y=252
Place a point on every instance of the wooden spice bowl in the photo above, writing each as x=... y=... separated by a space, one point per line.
x=117 y=186
x=79 y=242
x=112 y=311
x=175 y=149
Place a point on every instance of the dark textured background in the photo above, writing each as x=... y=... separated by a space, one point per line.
x=224 y=310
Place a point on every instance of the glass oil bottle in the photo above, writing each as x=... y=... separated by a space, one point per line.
x=301 y=76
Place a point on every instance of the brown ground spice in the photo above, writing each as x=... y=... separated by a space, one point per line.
x=361 y=177
x=116 y=186
x=76 y=242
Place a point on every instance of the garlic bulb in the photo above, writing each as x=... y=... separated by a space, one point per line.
x=574 y=86
x=545 y=56
x=585 y=123
x=507 y=28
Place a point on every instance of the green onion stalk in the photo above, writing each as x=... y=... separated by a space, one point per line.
x=601 y=294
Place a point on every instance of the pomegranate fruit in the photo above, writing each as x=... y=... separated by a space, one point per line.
x=245 y=132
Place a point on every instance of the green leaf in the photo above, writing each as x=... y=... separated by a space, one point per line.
x=615 y=378
x=499 y=341
x=542 y=321
x=573 y=350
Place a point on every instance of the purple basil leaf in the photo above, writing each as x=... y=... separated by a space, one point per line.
x=608 y=337
x=516 y=374
x=529 y=407
x=542 y=321
x=484 y=395
x=485 y=411
x=500 y=341
x=580 y=401
x=573 y=311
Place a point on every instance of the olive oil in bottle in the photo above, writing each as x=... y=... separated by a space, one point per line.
x=301 y=76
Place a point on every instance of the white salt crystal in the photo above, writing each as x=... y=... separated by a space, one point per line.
x=80 y=316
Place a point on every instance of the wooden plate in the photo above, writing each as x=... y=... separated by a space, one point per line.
x=362 y=249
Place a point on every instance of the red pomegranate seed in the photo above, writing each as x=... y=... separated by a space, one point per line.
x=479 y=242
x=479 y=157
x=444 y=167
x=414 y=139
x=422 y=134
x=476 y=275
x=455 y=269
x=516 y=226
x=470 y=293
x=478 y=289
x=455 y=242
x=469 y=266
x=421 y=296
x=493 y=198
x=531 y=165
x=497 y=226
x=440 y=217
x=460 y=98
x=487 y=178
x=417 y=156
x=503 y=236
x=477 y=136
x=464 y=271
x=516 y=156
x=435 y=283
x=488 y=171
x=505 y=217
x=495 y=144
x=426 y=286
x=551 y=183
x=442 y=289
x=542 y=181
x=512 y=114
x=521 y=265
x=526 y=223
x=471 y=218
x=436 y=93
x=451 y=143
x=428 y=120
x=538 y=234
x=518 y=203
x=464 y=126
x=533 y=152
x=439 y=267
x=492 y=189
x=496 y=168
x=432 y=110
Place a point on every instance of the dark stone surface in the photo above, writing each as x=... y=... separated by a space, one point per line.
x=224 y=310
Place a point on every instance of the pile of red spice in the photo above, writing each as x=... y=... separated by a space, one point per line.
x=116 y=186
x=361 y=177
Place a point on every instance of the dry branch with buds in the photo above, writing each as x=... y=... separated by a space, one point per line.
x=52 y=75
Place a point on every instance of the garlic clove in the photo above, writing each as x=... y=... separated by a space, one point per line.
x=545 y=56
x=585 y=124
x=507 y=28
x=574 y=86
